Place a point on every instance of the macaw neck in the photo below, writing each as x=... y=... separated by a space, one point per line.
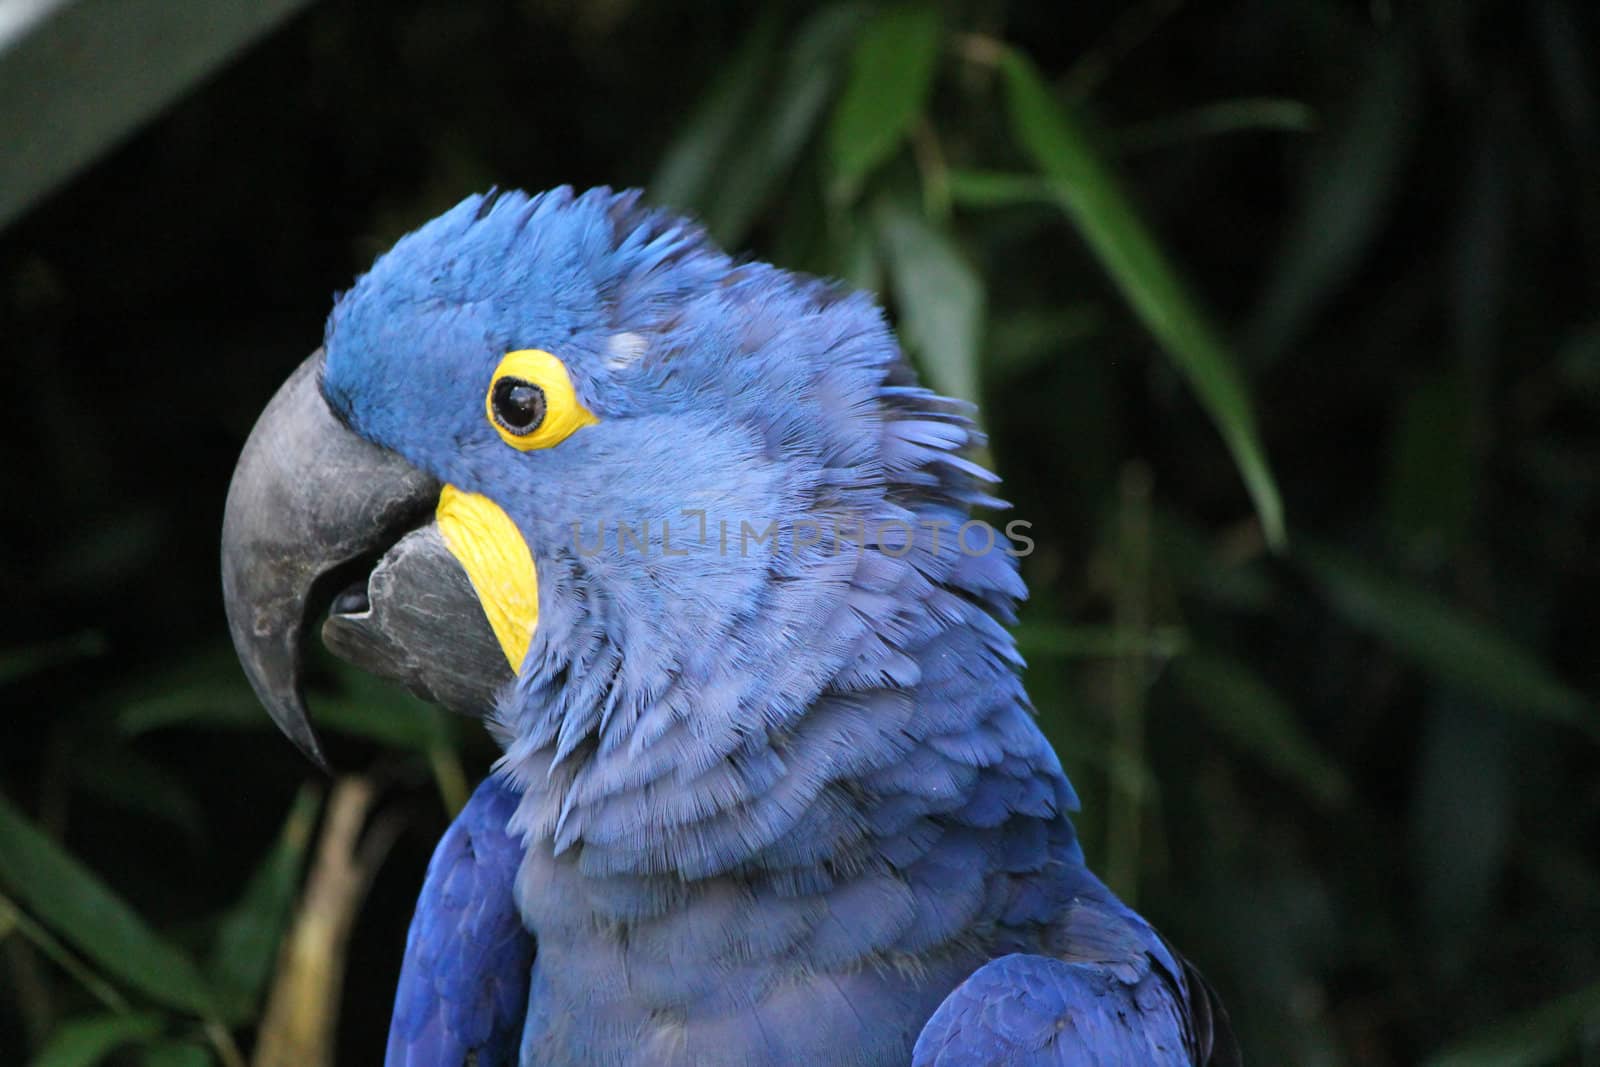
x=919 y=762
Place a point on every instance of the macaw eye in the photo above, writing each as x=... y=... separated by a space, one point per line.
x=518 y=406
x=532 y=403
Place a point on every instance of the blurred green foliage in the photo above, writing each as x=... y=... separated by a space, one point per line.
x=1226 y=278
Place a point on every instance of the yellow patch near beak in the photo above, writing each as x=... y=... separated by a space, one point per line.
x=491 y=550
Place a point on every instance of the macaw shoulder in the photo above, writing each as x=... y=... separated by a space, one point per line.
x=463 y=989
x=1104 y=991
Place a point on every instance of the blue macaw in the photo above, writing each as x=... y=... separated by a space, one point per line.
x=688 y=535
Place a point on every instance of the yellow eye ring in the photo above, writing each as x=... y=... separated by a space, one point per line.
x=531 y=402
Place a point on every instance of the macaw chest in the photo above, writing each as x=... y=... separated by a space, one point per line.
x=648 y=972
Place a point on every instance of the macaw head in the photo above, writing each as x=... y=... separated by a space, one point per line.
x=562 y=462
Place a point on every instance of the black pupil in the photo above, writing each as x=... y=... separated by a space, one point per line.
x=519 y=405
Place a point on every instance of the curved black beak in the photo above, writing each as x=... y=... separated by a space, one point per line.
x=310 y=501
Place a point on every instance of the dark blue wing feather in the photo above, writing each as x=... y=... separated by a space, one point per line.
x=464 y=984
x=1033 y=1011
x=1111 y=994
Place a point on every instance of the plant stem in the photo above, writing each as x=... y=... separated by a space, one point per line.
x=45 y=942
x=1131 y=610
x=227 y=1049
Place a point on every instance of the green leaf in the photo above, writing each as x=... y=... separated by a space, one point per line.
x=367 y=706
x=1095 y=201
x=177 y=1054
x=744 y=137
x=1540 y=1036
x=1220 y=117
x=891 y=75
x=20 y=662
x=1350 y=179
x=85 y=1042
x=1458 y=651
x=208 y=689
x=128 y=779
x=248 y=936
x=1029 y=337
x=858 y=262
x=996 y=188
x=1241 y=706
x=766 y=151
x=13 y=919
x=53 y=136
x=938 y=296
x=687 y=176
x=70 y=899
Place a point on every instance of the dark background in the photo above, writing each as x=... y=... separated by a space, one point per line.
x=1356 y=780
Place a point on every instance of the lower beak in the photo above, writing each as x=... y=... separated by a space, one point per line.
x=312 y=506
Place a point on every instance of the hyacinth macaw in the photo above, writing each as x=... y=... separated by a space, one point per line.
x=688 y=535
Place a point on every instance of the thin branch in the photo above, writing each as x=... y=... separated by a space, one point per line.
x=931 y=166
x=46 y=943
x=221 y=1039
x=299 y=1026
x=28 y=990
x=979 y=49
x=449 y=776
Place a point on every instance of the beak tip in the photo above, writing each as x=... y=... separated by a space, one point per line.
x=305 y=739
x=287 y=707
x=313 y=752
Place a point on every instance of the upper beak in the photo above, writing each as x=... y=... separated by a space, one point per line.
x=308 y=497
